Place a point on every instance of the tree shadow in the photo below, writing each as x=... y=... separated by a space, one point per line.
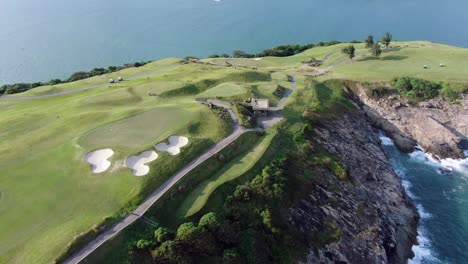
x=385 y=58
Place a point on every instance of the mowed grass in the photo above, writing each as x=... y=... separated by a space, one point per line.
x=282 y=62
x=125 y=73
x=234 y=169
x=409 y=61
x=49 y=195
x=141 y=129
x=227 y=89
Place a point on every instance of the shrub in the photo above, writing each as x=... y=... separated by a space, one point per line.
x=417 y=89
x=162 y=235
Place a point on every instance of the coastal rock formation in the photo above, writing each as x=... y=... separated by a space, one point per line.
x=370 y=216
x=438 y=126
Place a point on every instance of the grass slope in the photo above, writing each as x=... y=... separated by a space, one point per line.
x=409 y=60
x=236 y=168
x=48 y=194
x=125 y=73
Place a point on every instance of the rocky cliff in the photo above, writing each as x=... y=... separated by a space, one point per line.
x=370 y=211
x=439 y=127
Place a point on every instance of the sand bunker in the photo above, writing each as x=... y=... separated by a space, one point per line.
x=137 y=162
x=257 y=59
x=98 y=160
x=175 y=143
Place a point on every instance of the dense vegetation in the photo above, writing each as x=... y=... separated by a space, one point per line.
x=80 y=75
x=278 y=51
x=252 y=226
x=417 y=89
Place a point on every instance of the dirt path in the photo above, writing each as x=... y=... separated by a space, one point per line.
x=23 y=98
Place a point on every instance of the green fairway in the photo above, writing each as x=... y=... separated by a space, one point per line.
x=125 y=73
x=236 y=168
x=282 y=62
x=224 y=90
x=48 y=194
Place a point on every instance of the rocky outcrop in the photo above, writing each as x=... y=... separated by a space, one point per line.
x=370 y=211
x=438 y=126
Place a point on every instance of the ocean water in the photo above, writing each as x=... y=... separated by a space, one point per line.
x=40 y=40
x=442 y=201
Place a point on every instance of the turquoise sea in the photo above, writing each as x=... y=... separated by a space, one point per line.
x=40 y=40
x=441 y=200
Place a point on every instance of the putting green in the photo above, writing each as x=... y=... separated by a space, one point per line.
x=234 y=169
x=139 y=130
x=49 y=194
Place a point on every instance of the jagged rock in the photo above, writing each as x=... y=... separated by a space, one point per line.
x=376 y=218
x=438 y=126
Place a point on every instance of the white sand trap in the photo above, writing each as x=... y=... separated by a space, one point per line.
x=137 y=162
x=175 y=143
x=257 y=59
x=98 y=160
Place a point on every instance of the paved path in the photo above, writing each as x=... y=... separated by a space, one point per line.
x=158 y=193
x=280 y=105
x=72 y=91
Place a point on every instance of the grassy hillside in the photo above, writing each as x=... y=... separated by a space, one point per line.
x=48 y=194
x=408 y=60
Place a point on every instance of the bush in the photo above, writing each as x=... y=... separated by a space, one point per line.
x=78 y=76
x=417 y=89
x=162 y=235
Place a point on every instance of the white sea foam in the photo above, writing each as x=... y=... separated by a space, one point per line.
x=386 y=140
x=460 y=165
x=423 y=252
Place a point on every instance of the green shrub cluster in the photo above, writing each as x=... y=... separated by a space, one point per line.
x=248 y=231
x=278 y=51
x=246 y=115
x=417 y=89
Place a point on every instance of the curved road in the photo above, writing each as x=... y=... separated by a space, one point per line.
x=22 y=98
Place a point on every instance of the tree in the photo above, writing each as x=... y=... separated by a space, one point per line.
x=78 y=76
x=369 y=41
x=232 y=256
x=54 y=81
x=162 y=235
x=238 y=54
x=143 y=244
x=350 y=50
x=387 y=39
x=213 y=56
x=186 y=231
x=224 y=55
x=209 y=221
x=376 y=50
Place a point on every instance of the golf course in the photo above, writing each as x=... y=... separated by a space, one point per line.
x=152 y=126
